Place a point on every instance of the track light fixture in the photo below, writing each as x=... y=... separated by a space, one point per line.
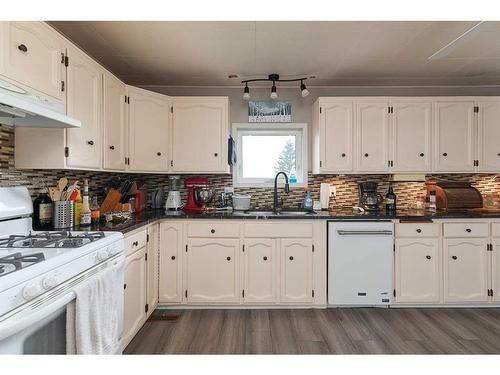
x=274 y=78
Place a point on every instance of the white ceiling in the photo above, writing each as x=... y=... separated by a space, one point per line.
x=338 y=53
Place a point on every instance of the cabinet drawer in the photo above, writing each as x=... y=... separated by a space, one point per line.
x=211 y=229
x=495 y=229
x=135 y=241
x=417 y=230
x=278 y=230
x=465 y=230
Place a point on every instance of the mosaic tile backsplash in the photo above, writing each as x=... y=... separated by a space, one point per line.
x=347 y=190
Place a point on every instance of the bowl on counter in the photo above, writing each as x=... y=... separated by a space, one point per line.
x=241 y=202
x=203 y=195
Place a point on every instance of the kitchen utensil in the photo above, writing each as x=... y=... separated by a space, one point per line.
x=112 y=199
x=63 y=214
x=54 y=194
x=192 y=184
x=241 y=202
x=174 y=196
x=63 y=182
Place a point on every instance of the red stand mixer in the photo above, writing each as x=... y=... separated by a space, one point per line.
x=199 y=194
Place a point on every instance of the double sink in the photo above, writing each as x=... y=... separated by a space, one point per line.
x=267 y=213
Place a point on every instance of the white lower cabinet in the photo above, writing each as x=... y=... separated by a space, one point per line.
x=417 y=270
x=260 y=262
x=171 y=250
x=213 y=270
x=296 y=270
x=495 y=269
x=466 y=270
x=153 y=267
x=134 y=294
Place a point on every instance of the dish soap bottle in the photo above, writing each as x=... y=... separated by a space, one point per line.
x=293 y=176
x=308 y=203
x=42 y=212
x=390 y=200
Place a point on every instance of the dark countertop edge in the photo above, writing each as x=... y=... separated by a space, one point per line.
x=152 y=216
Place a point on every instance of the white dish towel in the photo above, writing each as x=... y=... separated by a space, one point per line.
x=94 y=320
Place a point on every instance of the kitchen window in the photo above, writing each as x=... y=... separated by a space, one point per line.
x=266 y=149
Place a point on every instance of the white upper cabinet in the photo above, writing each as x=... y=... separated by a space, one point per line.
x=84 y=102
x=148 y=130
x=454 y=136
x=31 y=54
x=372 y=136
x=411 y=136
x=200 y=128
x=335 y=131
x=114 y=143
x=488 y=145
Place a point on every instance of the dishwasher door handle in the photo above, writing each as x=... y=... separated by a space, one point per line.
x=364 y=232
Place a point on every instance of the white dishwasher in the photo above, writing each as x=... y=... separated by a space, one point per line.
x=360 y=263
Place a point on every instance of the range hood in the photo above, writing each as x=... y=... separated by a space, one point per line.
x=19 y=107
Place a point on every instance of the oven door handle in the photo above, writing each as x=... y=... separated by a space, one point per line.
x=15 y=324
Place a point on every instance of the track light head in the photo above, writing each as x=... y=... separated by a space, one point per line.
x=274 y=94
x=303 y=89
x=246 y=93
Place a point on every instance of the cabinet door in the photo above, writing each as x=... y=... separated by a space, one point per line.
x=84 y=83
x=148 y=130
x=213 y=270
x=417 y=271
x=495 y=269
x=296 y=271
x=454 y=136
x=260 y=271
x=153 y=266
x=114 y=123
x=488 y=136
x=171 y=248
x=134 y=294
x=200 y=127
x=372 y=136
x=411 y=136
x=336 y=133
x=466 y=272
x=31 y=54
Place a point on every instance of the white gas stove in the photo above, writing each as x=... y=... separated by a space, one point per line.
x=39 y=268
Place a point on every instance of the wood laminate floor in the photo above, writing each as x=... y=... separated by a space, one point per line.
x=322 y=331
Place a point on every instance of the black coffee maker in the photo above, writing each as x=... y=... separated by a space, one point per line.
x=369 y=198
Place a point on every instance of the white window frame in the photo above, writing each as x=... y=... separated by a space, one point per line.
x=297 y=129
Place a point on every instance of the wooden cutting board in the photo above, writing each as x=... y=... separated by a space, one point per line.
x=112 y=199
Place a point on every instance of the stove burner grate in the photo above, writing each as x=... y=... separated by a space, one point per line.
x=63 y=239
x=18 y=261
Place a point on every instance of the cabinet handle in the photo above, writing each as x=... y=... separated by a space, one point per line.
x=428 y=256
x=454 y=257
x=135 y=243
x=172 y=257
x=212 y=231
x=291 y=258
x=366 y=155
x=468 y=230
x=419 y=230
x=445 y=154
x=22 y=47
x=90 y=143
x=422 y=154
x=216 y=154
x=124 y=286
x=265 y=258
x=498 y=154
x=228 y=259
x=343 y=155
x=158 y=153
x=111 y=147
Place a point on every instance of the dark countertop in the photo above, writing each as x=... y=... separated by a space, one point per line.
x=150 y=216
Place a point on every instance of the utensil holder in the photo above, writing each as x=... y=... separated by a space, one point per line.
x=64 y=213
